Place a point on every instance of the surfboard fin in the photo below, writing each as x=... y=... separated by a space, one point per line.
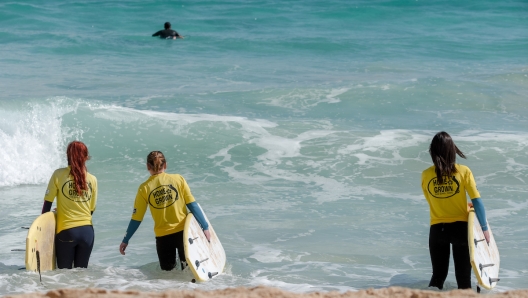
x=477 y=241
x=191 y=240
x=211 y=274
x=199 y=262
x=481 y=267
x=492 y=280
x=485 y=265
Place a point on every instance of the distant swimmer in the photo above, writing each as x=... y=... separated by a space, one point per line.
x=167 y=33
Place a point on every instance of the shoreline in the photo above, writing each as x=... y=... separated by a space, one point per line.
x=266 y=292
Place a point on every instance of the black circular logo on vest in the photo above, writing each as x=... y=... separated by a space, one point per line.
x=70 y=192
x=447 y=189
x=163 y=196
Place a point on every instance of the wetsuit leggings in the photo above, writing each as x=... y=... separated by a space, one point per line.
x=441 y=237
x=74 y=246
x=166 y=247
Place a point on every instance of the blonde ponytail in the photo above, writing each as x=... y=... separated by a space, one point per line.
x=156 y=161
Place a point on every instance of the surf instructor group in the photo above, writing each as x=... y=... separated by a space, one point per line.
x=169 y=199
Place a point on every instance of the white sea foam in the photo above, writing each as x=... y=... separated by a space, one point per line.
x=298 y=288
x=303 y=99
x=255 y=132
x=279 y=284
x=370 y=151
x=266 y=254
x=179 y=122
x=387 y=140
x=505 y=212
x=32 y=141
x=308 y=233
x=407 y=260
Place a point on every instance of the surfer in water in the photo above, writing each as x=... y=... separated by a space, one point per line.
x=76 y=193
x=167 y=33
x=168 y=197
x=445 y=185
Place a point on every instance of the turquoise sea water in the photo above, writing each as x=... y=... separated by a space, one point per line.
x=302 y=128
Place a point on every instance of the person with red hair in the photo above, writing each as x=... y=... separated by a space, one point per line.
x=76 y=193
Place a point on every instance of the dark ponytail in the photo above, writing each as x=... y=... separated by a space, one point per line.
x=443 y=153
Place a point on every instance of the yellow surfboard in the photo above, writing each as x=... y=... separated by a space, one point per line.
x=484 y=257
x=205 y=259
x=40 y=244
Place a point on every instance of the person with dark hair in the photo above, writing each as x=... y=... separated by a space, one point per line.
x=76 y=193
x=445 y=185
x=167 y=33
x=168 y=197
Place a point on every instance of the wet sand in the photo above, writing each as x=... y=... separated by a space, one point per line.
x=267 y=292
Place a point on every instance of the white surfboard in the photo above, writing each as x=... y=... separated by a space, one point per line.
x=205 y=259
x=40 y=244
x=484 y=257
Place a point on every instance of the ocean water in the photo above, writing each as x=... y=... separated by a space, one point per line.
x=302 y=128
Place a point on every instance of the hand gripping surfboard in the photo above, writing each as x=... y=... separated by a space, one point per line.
x=484 y=257
x=205 y=259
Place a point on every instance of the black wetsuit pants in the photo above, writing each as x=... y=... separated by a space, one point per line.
x=166 y=247
x=74 y=247
x=441 y=237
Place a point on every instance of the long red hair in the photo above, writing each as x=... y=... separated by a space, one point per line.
x=77 y=156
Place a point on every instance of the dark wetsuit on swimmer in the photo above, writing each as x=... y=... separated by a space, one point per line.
x=167 y=33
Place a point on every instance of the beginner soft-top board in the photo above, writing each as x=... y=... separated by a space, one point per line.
x=485 y=258
x=206 y=259
x=40 y=244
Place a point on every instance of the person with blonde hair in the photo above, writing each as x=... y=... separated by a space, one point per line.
x=76 y=193
x=445 y=185
x=168 y=197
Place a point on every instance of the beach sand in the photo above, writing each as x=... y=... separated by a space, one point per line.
x=267 y=292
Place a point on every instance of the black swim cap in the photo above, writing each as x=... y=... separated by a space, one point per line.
x=167 y=25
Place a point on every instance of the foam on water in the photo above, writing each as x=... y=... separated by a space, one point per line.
x=298 y=100
x=371 y=166
x=302 y=138
x=266 y=254
x=32 y=141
